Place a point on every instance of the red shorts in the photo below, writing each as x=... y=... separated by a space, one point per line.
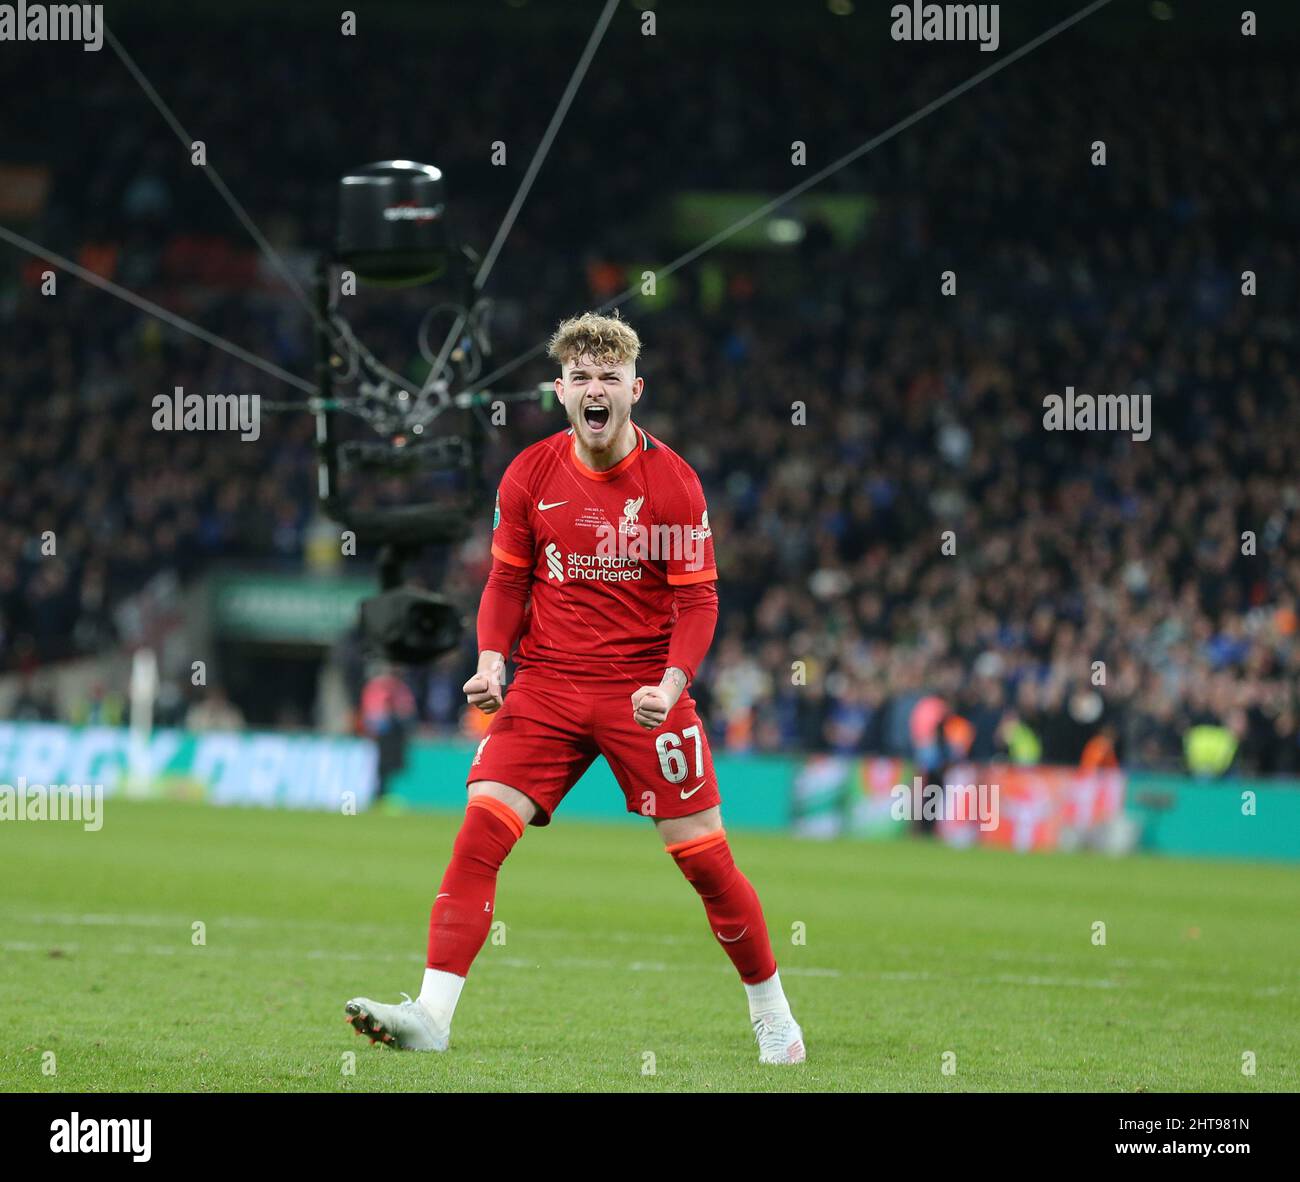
x=547 y=733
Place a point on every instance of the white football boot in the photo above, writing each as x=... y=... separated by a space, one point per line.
x=779 y=1039
x=405 y=1027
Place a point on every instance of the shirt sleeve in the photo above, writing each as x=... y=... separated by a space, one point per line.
x=512 y=531
x=684 y=508
x=697 y=617
x=502 y=608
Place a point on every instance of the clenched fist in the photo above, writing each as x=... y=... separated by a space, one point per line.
x=484 y=688
x=651 y=703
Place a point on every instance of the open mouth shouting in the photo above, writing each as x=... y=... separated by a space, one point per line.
x=596 y=416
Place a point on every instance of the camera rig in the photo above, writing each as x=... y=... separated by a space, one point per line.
x=393 y=232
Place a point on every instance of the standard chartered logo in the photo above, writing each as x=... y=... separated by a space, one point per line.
x=600 y=568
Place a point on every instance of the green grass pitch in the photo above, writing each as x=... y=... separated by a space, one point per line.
x=608 y=978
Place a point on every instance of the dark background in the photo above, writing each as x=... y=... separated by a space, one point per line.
x=924 y=412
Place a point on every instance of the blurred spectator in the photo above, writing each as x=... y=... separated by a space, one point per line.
x=98 y=707
x=387 y=716
x=214 y=712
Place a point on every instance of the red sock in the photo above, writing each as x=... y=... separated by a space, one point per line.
x=731 y=903
x=462 y=912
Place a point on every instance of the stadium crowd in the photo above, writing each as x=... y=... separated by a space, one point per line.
x=907 y=557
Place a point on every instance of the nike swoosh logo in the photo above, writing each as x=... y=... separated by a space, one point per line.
x=444 y=895
x=543 y=506
x=687 y=795
x=733 y=938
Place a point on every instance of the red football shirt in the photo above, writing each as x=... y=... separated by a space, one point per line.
x=606 y=550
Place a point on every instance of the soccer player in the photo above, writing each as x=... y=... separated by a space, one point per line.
x=605 y=531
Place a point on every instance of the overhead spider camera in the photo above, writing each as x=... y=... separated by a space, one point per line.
x=393 y=233
x=393 y=225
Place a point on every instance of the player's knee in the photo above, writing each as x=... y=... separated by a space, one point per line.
x=524 y=808
x=676 y=830
x=711 y=872
x=487 y=835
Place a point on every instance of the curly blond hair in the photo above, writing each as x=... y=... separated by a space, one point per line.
x=603 y=338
